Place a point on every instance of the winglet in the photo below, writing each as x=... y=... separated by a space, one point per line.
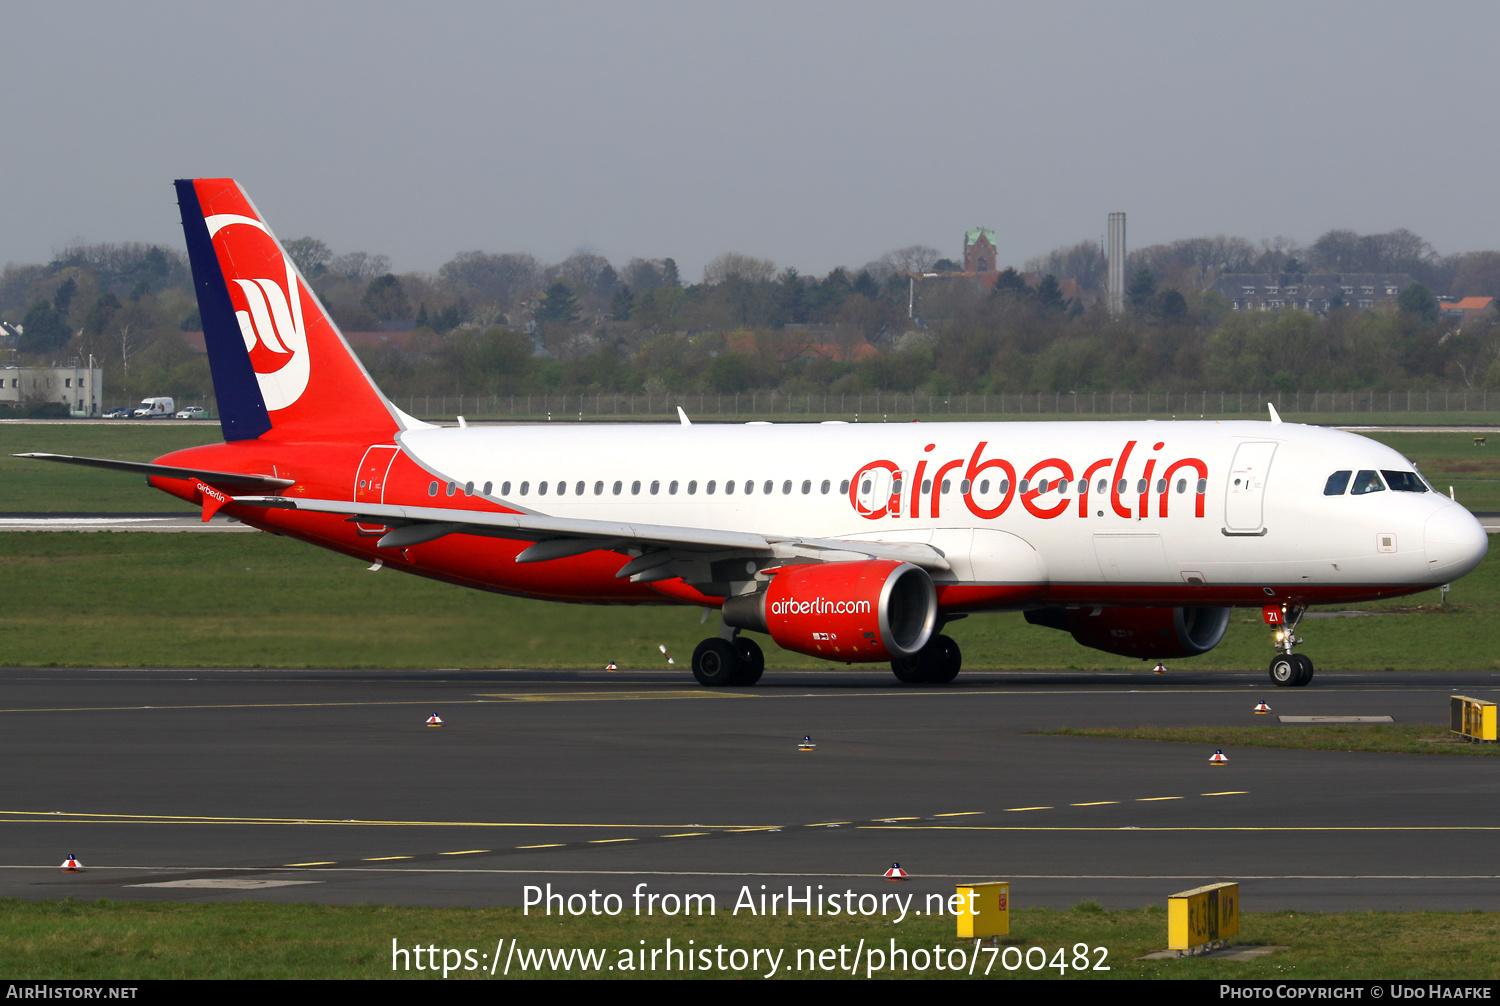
x=1275 y=416
x=683 y=416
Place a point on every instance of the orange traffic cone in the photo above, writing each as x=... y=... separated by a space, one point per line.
x=895 y=872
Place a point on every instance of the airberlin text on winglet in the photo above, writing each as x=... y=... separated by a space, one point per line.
x=1050 y=472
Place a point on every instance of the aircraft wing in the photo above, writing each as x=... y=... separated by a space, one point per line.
x=659 y=545
x=229 y=481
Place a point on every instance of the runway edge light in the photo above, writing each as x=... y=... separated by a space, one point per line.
x=985 y=910
x=895 y=872
x=806 y=744
x=1218 y=758
x=72 y=865
x=1261 y=708
x=434 y=720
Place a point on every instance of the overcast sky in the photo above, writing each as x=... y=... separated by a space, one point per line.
x=813 y=134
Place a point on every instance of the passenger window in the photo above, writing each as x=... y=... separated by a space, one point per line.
x=1203 y=485
x=844 y=488
x=635 y=488
x=1161 y=486
x=505 y=489
x=1367 y=482
x=948 y=484
x=825 y=487
x=672 y=488
x=617 y=487
x=768 y=487
x=655 y=488
x=693 y=487
x=864 y=486
x=1025 y=485
x=786 y=488
x=1337 y=483
x=984 y=486
x=749 y=486
x=896 y=487
x=729 y=487
x=1122 y=486
x=926 y=487
x=806 y=486
x=452 y=488
x=488 y=487
x=562 y=489
x=964 y=487
x=1181 y=486
x=1140 y=487
x=468 y=489
x=578 y=489
x=432 y=489
x=1103 y=484
x=1004 y=486
x=525 y=486
x=598 y=488
x=1403 y=482
x=709 y=489
x=541 y=488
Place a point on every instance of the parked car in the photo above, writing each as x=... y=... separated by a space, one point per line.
x=119 y=413
x=193 y=412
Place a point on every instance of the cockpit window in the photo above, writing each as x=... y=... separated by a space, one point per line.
x=1367 y=482
x=1337 y=483
x=1403 y=482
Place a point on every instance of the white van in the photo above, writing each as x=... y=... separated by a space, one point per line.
x=154 y=408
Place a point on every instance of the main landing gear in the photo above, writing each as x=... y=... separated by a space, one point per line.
x=728 y=659
x=1288 y=669
x=937 y=663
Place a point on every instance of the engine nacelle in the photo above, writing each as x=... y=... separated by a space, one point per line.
x=1151 y=633
x=879 y=609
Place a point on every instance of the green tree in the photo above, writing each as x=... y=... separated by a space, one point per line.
x=1141 y=289
x=621 y=303
x=559 y=305
x=1419 y=302
x=386 y=300
x=44 y=329
x=1013 y=283
x=1049 y=293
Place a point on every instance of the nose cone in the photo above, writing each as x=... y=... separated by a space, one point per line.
x=1455 y=543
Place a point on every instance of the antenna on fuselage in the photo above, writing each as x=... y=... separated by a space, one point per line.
x=1275 y=416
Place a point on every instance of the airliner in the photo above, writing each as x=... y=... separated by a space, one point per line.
x=856 y=543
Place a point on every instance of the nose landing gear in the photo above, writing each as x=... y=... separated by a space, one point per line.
x=1288 y=669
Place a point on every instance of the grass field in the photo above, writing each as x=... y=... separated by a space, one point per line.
x=252 y=600
x=244 y=940
x=1386 y=737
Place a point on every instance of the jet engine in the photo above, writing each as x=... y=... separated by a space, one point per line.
x=878 y=609
x=1151 y=633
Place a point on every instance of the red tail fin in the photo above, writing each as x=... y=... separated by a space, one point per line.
x=279 y=363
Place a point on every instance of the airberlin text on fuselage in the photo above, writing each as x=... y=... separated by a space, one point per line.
x=1126 y=500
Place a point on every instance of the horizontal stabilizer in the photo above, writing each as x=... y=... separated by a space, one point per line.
x=228 y=481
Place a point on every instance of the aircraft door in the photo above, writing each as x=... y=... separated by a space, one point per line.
x=873 y=492
x=369 y=481
x=1244 y=500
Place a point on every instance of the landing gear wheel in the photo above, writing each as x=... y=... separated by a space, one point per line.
x=1305 y=666
x=716 y=662
x=1286 y=672
x=937 y=663
x=752 y=661
x=943 y=659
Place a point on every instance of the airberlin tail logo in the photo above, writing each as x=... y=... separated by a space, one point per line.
x=270 y=314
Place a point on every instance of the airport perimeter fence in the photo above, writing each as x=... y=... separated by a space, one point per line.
x=873 y=406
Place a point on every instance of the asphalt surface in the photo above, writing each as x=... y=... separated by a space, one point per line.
x=329 y=787
x=177 y=521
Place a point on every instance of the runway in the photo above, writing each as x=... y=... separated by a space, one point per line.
x=178 y=521
x=328 y=787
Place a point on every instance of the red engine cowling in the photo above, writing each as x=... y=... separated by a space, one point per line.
x=1150 y=633
x=849 y=611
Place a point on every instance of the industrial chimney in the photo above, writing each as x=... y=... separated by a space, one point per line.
x=1116 y=262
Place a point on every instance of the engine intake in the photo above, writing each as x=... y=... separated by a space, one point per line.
x=1151 y=633
x=878 y=609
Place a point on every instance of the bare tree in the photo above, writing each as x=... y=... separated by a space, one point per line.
x=737 y=266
